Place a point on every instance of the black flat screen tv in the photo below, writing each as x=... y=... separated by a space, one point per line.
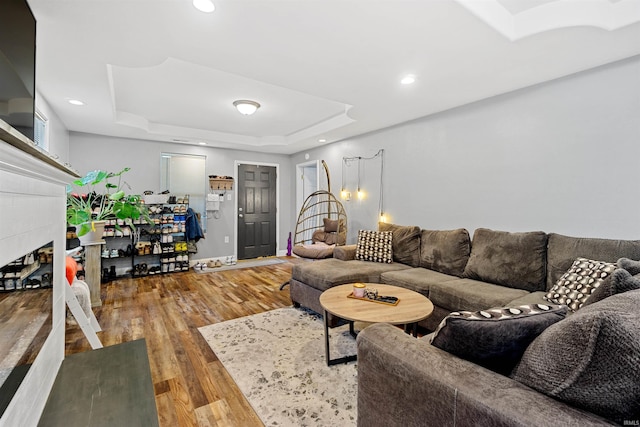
x=17 y=65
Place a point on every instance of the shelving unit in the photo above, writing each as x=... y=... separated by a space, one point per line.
x=117 y=252
x=161 y=247
x=32 y=271
x=156 y=248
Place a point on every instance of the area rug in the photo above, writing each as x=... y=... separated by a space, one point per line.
x=277 y=359
x=241 y=264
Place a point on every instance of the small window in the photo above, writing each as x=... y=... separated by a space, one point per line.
x=40 y=130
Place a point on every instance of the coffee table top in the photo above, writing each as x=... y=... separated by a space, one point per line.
x=411 y=308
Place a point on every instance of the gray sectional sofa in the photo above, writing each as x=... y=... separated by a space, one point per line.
x=404 y=381
x=499 y=269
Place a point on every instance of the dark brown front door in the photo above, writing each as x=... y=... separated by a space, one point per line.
x=256 y=211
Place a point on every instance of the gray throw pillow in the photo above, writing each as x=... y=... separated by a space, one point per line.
x=591 y=359
x=406 y=243
x=630 y=265
x=445 y=251
x=495 y=338
x=515 y=260
x=618 y=282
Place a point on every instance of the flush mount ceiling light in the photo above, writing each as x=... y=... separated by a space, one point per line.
x=246 y=107
x=408 y=79
x=75 y=102
x=205 y=6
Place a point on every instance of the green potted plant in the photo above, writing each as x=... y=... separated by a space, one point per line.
x=89 y=212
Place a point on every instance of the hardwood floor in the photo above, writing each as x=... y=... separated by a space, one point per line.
x=192 y=388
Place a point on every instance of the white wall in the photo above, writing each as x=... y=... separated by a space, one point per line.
x=559 y=157
x=88 y=152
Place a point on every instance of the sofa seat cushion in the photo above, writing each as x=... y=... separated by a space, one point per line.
x=530 y=298
x=591 y=359
x=405 y=242
x=327 y=273
x=516 y=260
x=471 y=295
x=415 y=279
x=563 y=250
x=445 y=251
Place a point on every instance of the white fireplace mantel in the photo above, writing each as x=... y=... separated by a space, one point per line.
x=32 y=213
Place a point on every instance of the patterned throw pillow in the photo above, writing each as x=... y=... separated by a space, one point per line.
x=495 y=338
x=374 y=246
x=576 y=285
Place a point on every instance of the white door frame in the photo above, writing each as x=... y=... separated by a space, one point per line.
x=300 y=197
x=236 y=165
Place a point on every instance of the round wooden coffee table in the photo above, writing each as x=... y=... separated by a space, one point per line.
x=412 y=307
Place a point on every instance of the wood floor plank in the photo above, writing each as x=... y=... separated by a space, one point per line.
x=191 y=386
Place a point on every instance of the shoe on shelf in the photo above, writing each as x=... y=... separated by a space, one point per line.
x=46 y=280
x=114 y=253
x=105 y=253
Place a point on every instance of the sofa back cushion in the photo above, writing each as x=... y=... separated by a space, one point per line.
x=564 y=250
x=405 y=243
x=515 y=260
x=445 y=251
x=590 y=359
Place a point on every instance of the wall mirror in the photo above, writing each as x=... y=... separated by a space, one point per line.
x=185 y=174
x=26 y=305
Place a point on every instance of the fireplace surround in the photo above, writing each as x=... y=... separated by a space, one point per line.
x=32 y=214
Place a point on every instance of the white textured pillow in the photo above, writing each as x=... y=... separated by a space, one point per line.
x=577 y=284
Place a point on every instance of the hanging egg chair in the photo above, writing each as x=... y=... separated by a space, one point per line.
x=321 y=225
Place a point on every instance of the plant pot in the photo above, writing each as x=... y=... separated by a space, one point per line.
x=94 y=236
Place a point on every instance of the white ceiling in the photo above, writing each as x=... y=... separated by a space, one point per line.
x=321 y=69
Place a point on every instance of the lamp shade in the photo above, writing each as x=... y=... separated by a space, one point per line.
x=246 y=107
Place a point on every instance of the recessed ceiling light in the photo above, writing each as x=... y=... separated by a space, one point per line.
x=408 y=79
x=202 y=143
x=322 y=140
x=205 y=6
x=75 y=102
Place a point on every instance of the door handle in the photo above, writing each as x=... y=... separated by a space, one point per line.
x=240 y=215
